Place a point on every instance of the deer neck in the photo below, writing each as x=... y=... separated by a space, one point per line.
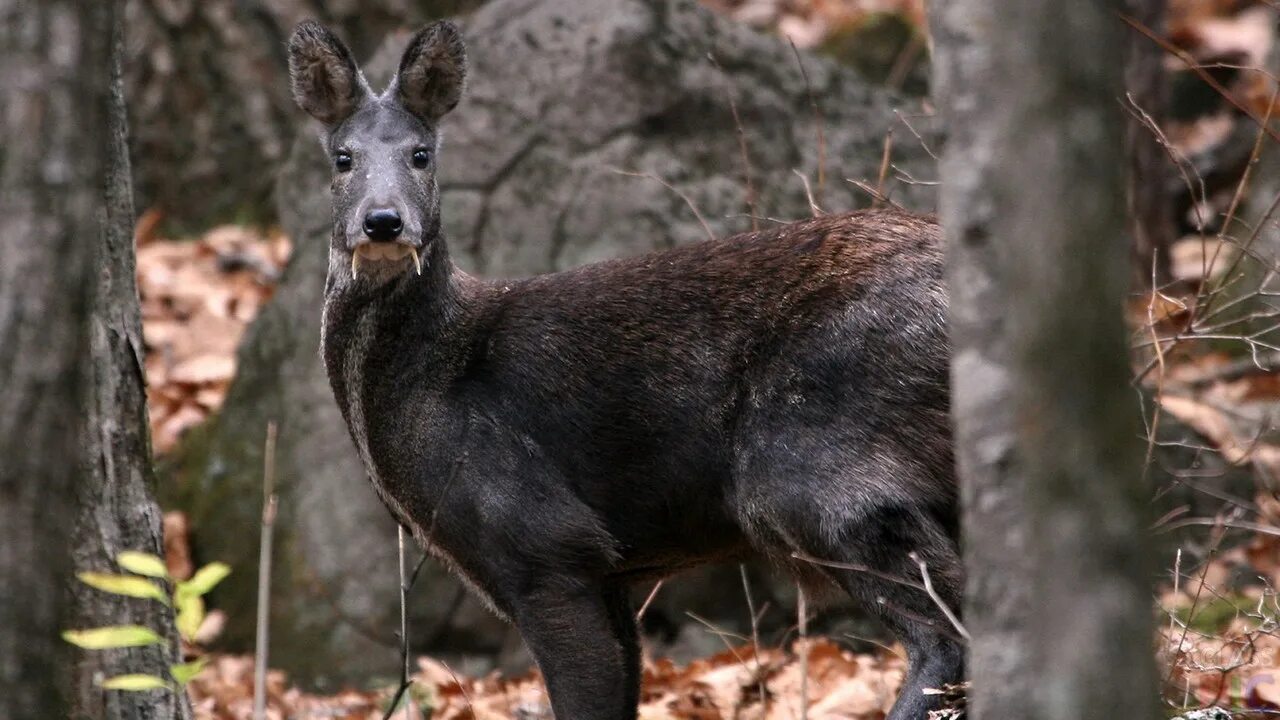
x=382 y=343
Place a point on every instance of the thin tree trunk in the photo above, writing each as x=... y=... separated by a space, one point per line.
x=115 y=507
x=1151 y=214
x=1033 y=200
x=53 y=90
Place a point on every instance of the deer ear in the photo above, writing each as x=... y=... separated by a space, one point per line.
x=325 y=80
x=433 y=71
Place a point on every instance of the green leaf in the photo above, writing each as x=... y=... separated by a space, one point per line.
x=205 y=578
x=135 y=682
x=124 y=585
x=190 y=615
x=116 y=636
x=142 y=564
x=183 y=672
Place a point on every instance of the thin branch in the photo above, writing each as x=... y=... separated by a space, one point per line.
x=1217 y=522
x=875 y=194
x=884 y=161
x=742 y=149
x=687 y=201
x=818 y=120
x=802 y=616
x=910 y=128
x=755 y=637
x=649 y=600
x=813 y=206
x=1191 y=63
x=937 y=599
x=262 y=633
x=858 y=568
x=405 y=679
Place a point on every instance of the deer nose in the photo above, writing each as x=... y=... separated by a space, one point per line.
x=382 y=224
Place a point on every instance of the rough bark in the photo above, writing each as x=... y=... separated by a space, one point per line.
x=1262 y=193
x=1058 y=602
x=116 y=510
x=530 y=184
x=55 y=56
x=209 y=98
x=1150 y=204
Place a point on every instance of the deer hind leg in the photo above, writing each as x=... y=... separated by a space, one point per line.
x=855 y=512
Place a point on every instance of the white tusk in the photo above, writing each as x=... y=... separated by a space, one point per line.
x=416 y=262
x=355 y=265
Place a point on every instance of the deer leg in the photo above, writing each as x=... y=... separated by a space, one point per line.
x=583 y=637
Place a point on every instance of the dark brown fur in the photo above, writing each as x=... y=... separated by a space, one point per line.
x=557 y=438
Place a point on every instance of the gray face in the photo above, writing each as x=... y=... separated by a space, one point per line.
x=384 y=182
x=386 y=202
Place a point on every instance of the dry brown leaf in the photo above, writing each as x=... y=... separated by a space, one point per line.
x=166 y=436
x=177 y=547
x=1215 y=427
x=202 y=369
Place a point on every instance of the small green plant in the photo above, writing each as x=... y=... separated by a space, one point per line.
x=148 y=580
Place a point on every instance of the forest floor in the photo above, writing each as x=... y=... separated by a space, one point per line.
x=735 y=683
x=1219 y=641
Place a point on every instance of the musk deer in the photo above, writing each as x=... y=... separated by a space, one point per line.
x=557 y=439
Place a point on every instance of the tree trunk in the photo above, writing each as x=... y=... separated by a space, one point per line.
x=209 y=95
x=53 y=156
x=1150 y=204
x=115 y=507
x=1059 y=598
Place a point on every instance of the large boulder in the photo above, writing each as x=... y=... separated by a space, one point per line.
x=589 y=130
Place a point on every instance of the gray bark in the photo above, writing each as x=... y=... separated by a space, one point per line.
x=1059 y=597
x=116 y=510
x=1263 y=190
x=53 y=90
x=1150 y=204
x=209 y=98
x=561 y=95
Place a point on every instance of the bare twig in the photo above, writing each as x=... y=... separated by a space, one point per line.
x=1191 y=63
x=1254 y=156
x=649 y=600
x=818 y=120
x=903 y=63
x=264 y=574
x=1195 y=601
x=858 y=568
x=937 y=599
x=884 y=162
x=1153 y=427
x=721 y=633
x=742 y=150
x=875 y=194
x=887 y=648
x=813 y=206
x=911 y=128
x=1218 y=522
x=755 y=636
x=1177 y=581
x=802 y=626
x=406 y=584
x=466 y=696
x=687 y=201
x=1234 y=370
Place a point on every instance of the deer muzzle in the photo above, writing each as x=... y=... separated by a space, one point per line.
x=382 y=254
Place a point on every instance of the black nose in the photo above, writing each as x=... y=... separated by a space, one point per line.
x=382 y=224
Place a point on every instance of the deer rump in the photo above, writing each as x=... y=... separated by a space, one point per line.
x=557 y=438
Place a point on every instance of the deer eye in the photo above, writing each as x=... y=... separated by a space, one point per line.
x=342 y=161
x=421 y=158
